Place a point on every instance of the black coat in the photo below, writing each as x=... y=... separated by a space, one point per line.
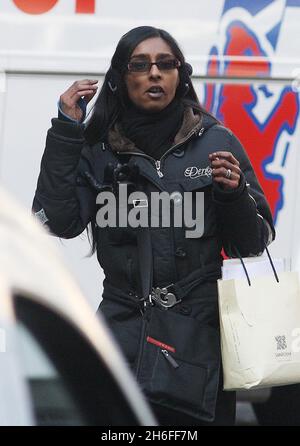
x=72 y=174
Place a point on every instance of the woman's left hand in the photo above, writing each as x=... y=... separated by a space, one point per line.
x=226 y=170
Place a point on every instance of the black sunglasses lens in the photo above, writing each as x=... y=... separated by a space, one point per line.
x=138 y=66
x=167 y=64
x=143 y=66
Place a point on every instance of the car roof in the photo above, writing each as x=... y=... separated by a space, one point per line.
x=31 y=266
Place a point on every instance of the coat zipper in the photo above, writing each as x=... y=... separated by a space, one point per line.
x=159 y=172
x=170 y=359
x=158 y=163
x=141 y=350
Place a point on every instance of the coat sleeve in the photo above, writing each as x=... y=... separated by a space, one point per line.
x=63 y=200
x=243 y=215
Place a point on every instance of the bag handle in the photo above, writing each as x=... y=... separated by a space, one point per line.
x=245 y=269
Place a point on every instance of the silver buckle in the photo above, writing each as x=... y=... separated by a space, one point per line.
x=163 y=297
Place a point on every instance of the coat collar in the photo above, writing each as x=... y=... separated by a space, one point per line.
x=120 y=143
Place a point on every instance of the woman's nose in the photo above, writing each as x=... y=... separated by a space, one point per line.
x=154 y=71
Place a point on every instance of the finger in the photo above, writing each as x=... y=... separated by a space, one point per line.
x=221 y=173
x=84 y=82
x=70 y=97
x=83 y=87
x=226 y=155
x=88 y=81
x=71 y=101
x=226 y=164
x=89 y=97
x=76 y=85
x=83 y=93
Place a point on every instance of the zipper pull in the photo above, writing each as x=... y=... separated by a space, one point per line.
x=170 y=359
x=159 y=173
x=201 y=131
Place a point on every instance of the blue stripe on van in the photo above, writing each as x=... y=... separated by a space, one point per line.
x=252 y=6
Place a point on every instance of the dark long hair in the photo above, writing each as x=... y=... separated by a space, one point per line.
x=113 y=94
x=109 y=103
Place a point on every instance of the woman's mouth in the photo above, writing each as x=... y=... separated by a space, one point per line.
x=155 y=92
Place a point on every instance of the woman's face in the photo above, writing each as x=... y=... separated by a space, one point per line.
x=152 y=90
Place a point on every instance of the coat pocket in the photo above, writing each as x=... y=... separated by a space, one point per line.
x=179 y=363
x=173 y=377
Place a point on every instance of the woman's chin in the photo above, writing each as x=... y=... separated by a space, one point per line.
x=154 y=107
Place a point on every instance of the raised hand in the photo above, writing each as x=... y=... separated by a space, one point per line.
x=86 y=89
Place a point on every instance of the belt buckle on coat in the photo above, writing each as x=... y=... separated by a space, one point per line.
x=163 y=297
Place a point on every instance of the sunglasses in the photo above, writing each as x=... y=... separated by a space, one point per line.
x=145 y=67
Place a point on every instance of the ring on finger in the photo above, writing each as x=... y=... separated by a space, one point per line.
x=228 y=174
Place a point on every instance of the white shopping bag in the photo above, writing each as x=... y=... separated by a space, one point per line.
x=260 y=328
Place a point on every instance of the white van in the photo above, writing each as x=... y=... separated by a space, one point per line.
x=245 y=57
x=246 y=70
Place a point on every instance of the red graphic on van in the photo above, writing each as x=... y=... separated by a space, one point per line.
x=42 y=6
x=236 y=105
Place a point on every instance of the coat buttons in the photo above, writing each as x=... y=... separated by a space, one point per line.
x=180 y=252
x=122 y=176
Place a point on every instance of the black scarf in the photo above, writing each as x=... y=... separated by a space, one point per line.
x=153 y=132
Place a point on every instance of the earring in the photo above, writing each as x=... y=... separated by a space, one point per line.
x=112 y=88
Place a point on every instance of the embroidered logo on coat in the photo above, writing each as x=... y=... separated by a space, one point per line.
x=196 y=172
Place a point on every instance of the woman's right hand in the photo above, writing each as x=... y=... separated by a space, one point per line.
x=85 y=88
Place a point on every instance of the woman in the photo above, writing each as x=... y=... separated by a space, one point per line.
x=148 y=131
